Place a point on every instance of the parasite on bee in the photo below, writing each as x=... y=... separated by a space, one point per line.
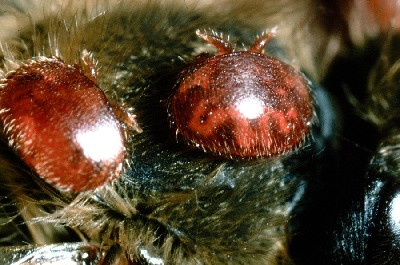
x=61 y=124
x=242 y=104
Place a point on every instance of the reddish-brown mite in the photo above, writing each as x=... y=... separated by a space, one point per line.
x=61 y=124
x=241 y=104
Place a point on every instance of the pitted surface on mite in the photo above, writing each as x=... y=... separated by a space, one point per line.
x=242 y=104
x=61 y=124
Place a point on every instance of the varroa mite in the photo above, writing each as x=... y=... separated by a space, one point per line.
x=61 y=123
x=241 y=104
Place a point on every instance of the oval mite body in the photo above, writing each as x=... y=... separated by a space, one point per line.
x=61 y=125
x=242 y=104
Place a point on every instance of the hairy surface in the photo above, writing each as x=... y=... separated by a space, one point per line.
x=329 y=202
x=171 y=203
